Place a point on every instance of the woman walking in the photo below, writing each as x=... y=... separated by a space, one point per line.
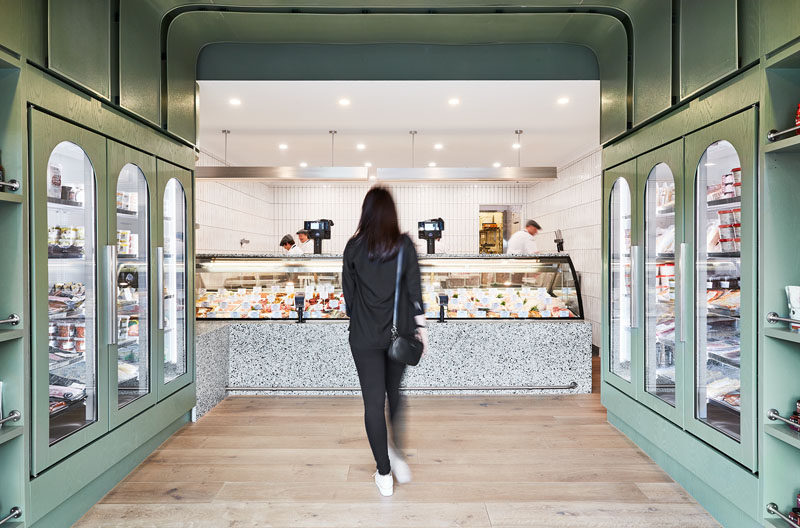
x=369 y=274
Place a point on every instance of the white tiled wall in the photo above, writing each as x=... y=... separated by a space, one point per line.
x=572 y=203
x=285 y=207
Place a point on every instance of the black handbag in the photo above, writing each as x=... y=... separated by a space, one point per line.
x=404 y=349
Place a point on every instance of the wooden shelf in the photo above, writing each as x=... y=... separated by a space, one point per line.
x=790 y=143
x=782 y=432
x=781 y=333
x=8 y=335
x=9 y=432
x=10 y=197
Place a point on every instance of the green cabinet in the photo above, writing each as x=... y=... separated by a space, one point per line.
x=681 y=279
x=110 y=254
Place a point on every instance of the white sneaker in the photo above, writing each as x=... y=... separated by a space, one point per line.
x=399 y=466
x=385 y=484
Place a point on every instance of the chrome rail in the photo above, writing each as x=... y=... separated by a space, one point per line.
x=13 y=416
x=572 y=385
x=773 y=318
x=12 y=319
x=684 y=287
x=634 y=306
x=12 y=185
x=773 y=415
x=111 y=309
x=160 y=285
x=773 y=134
x=14 y=513
x=773 y=509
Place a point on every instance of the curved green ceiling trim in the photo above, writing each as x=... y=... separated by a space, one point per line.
x=145 y=23
x=189 y=32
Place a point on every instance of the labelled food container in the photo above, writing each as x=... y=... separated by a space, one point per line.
x=726 y=217
x=66 y=344
x=727 y=244
x=737 y=244
x=737 y=175
x=726 y=231
x=737 y=216
x=737 y=230
x=737 y=189
x=64 y=329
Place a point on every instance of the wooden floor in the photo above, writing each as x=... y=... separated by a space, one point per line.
x=477 y=461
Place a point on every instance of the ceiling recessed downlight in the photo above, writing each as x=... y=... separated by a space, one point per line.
x=438 y=146
x=303 y=164
x=454 y=101
x=373 y=177
x=235 y=101
x=283 y=146
x=368 y=164
x=496 y=164
x=344 y=101
x=562 y=100
x=516 y=146
x=432 y=164
x=360 y=146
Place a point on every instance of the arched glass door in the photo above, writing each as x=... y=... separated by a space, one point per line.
x=660 y=284
x=718 y=235
x=73 y=333
x=621 y=266
x=133 y=275
x=175 y=281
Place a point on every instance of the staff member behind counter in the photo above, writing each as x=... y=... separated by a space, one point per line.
x=290 y=249
x=305 y=244
x=522 y=242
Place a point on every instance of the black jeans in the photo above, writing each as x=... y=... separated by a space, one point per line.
x=380 y=380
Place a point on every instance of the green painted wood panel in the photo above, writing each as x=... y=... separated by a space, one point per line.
x=11 y=25
x=779 y=24
x=708 y=43
x=140 y=58
x=79 y=42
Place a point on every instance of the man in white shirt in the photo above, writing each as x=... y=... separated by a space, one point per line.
x=290 y=249
x=522 y=242
x=305 y=243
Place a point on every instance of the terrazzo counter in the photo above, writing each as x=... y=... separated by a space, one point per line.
x=465 y=357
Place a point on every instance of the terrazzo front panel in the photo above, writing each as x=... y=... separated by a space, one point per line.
x=212 y=352
x=463 y=355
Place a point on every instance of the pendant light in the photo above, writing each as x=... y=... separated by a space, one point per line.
x=225 y=157
x=518 y=146
x=333 y=136
x=413 y=135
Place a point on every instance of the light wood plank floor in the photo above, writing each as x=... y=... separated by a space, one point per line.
x=490 y=461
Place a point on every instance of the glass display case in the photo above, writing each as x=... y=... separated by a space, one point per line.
x=485 y=287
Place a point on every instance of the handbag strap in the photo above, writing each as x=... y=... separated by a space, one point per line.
x=397 y=285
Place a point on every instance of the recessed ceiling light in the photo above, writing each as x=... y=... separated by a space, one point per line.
x=373 y=177
x=454 y=101
x=234 y=101
x=709 y=164
x=496 y=164
x=516 y=146
x=562 y=100
x=438 y=146
x=367 y=164
x=361 y=146
x=283 y=146
x=303 y=164
x=344 y=101
x=432 y=164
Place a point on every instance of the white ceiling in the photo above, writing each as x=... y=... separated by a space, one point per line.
x=476 y=133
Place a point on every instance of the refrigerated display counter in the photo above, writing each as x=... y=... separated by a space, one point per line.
x=511 y=324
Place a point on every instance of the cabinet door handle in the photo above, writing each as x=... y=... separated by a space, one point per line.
x=634 y=306
x=683 y=285
x=160 y=285
x=111 y=264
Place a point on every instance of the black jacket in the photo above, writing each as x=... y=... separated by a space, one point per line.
x=369 y=294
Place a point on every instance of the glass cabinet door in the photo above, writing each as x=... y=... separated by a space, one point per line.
x=174 y=282
x=72 y=300
x=660 y=284
x=621 y=266
x=722 y=205
x=70 y=289
x=133 y=306
x=718 y=225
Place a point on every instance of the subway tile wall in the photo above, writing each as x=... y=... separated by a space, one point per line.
x=228 y=212
x=573 y=203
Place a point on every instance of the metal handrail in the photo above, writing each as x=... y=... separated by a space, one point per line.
x=571 y=385
x=11 y=184
x=13 y=416
x=14 y=513
x=773 y=509
x=773 y=317
x=12 y=319
x=773 y=134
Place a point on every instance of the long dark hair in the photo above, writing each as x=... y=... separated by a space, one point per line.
x=378 y=227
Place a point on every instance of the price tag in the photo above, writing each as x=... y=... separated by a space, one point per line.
x=545 y=313
x=505 y=314
x=462 y=313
